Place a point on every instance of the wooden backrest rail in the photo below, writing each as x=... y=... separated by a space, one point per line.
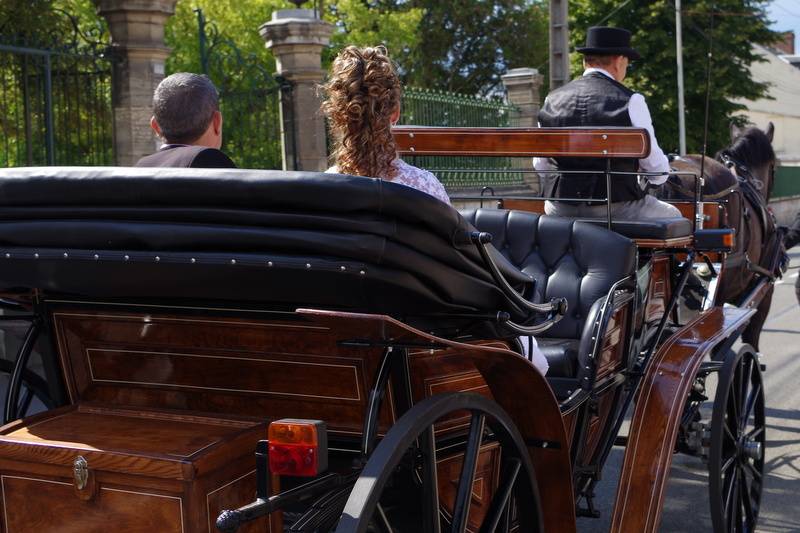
x=610 y=143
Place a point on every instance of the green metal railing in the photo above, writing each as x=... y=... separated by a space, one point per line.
x=423 y=107
x=55 y=100
x=787 y=182
x=250 y=98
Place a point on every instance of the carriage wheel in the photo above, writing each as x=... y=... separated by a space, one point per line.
x=33 y=387
x=414 y=433
x=736 y=456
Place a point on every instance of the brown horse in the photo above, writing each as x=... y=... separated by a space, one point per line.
x=743 y=176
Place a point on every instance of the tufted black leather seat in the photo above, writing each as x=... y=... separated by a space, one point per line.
x=568 y=258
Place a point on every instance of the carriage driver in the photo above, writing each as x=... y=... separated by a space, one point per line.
x=599 y=99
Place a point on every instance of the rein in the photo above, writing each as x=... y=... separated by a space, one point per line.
x=704 y=197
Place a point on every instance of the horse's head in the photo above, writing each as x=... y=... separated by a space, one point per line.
x=752 y=154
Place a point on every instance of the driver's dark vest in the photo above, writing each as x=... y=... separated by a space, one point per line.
x=591 y=100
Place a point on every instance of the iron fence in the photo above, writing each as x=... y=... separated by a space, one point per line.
x=55 y=101
x=424 y=107
x=250 y=98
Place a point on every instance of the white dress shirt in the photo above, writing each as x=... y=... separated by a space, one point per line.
x=639 y=114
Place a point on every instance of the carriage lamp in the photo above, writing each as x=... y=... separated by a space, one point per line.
x=298 y=447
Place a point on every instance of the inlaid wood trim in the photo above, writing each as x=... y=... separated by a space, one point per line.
x=141 y=318
x=180 y=500
x=157 y=306
x=40 y=480
x=208 y=501
x=654 y=427
x=165 y=383
x=66 y=368
x=3 y=485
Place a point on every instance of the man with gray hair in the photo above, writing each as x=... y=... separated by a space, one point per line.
x=186 y=116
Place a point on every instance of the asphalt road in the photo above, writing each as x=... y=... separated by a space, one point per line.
x=686 y=503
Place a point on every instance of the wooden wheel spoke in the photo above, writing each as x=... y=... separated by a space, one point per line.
x=752 y=468
x=753 y=435
x=383 y=520
x=743 y=390
x=498 y=510
x=464 y=493
x=747 y=503
x=729 y=433
x=730 y=502
x=746 y=379
x=728 y=463
x=25 y=402
x=751 y=402
x=733 y=396
x=430 y=483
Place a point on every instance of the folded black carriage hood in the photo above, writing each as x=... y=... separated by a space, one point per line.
x=290 y=239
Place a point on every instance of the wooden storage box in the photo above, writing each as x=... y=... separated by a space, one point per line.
x=93 y=469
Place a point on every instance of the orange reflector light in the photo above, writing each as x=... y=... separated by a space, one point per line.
x=727 y=240
x=298 y=447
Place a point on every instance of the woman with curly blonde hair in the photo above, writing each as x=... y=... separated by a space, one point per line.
x=362 y=104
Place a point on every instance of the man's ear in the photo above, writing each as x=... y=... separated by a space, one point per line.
x=216 y=122
x=735 y=131
x=770 y=131
x=154 y=126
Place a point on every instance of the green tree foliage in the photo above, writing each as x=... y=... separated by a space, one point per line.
x=394 y=24
x=236 y=21
x=738 y=24
x=48 y=23
x=466 y=46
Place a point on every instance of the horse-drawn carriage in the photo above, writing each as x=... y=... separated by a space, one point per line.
x=366 y=342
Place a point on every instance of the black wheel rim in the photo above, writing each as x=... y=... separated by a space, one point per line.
x=33 y=386
x=415 y=431
x=736 y=455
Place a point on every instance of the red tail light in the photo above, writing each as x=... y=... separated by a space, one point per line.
x=298 y=447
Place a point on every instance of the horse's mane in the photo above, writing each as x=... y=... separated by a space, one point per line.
x=751 y=149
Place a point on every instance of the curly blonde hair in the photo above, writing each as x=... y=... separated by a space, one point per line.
x=362 y=94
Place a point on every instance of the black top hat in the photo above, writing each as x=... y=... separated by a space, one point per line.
x=606 y=41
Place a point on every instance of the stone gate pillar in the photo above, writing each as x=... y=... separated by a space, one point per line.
x=137 y=37
x=523 y=88
x=296 y=38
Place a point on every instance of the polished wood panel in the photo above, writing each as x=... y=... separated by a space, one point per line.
x=532 y=206
x=245 y=367
x=611 y=357
x=523 y=142
x=655 y=420
x=178 y=468
x=36 y=505
x=713 y=213
x=515 y=385
x=658 y=292
x=439 y=371
x=230 y=495
x=598 y=424
x=157 y=444
x=487 y=478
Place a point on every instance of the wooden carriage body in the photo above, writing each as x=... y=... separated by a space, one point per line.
x=176 y=328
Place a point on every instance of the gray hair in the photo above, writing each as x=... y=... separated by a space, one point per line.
x=183 y=105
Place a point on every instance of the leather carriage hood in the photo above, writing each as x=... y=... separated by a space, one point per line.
x=291 y=238
x=567 y=258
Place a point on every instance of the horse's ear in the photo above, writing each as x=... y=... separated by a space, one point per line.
x=735 y=131
x=770 y=131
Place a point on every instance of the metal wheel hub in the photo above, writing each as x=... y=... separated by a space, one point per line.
x=750 y=449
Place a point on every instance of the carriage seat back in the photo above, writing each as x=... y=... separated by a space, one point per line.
x=568 y=258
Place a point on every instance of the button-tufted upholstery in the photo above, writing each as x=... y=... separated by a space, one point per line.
x=567 y=258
